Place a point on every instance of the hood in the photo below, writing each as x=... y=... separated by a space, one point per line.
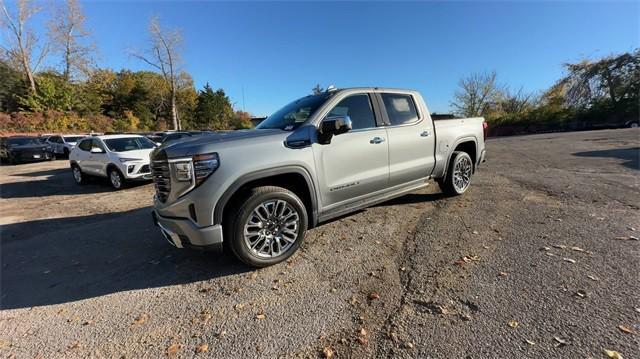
x=139 y=154
x=198 y=144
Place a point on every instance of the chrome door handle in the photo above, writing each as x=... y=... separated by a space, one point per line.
x=425 y=133
x=377 y=140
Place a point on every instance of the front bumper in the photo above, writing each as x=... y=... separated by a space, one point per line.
x=183 y=233
x=32 y=155
x=136 y=171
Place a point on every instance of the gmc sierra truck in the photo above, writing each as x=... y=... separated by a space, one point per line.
x=319 y=157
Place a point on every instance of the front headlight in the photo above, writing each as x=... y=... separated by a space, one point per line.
x=204 y=165
x=183 y=171
x=201 y=167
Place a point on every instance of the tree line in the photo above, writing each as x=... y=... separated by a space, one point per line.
x=77 y=96
x=604 y=92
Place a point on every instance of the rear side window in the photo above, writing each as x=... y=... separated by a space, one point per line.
x=85 y=145
x=358 y=108
x=400 y=108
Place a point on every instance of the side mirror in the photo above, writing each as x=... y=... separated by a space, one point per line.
x=96 y=150
x=333 y=126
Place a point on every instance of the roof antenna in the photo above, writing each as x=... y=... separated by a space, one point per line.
x=331 y=88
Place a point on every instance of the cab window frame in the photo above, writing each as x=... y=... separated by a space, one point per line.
x=383 y=108
x=372 y=104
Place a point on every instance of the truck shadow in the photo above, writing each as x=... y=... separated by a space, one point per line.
x=630 y=156
x=62 y=260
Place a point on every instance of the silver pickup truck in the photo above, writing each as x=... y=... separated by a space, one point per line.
x=319 y=157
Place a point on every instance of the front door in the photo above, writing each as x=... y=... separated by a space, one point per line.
x=411 y=138
x=97 y=160
x=355 y=164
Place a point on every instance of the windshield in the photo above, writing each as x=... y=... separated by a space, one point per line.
x=295 y=113
x=129 y=144
x=72 y=138
x=23 y=141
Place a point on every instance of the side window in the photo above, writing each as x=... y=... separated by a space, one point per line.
x=96 y=144
x=58 y=139
x=85 y=145
x=358 y=108
x=400 y=108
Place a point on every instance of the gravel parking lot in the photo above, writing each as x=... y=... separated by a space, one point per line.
x=539 y=259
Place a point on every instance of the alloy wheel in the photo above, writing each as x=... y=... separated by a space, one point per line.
x=272 y=228
x=77 y=174
x=116 y=181
x=462 y=174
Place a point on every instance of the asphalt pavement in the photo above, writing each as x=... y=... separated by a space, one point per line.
x=540 y=258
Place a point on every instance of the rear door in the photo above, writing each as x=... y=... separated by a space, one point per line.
x=411 y=137
x=355 y=164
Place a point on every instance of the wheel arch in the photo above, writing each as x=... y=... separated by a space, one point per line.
x=294 y=178
x=465 y=144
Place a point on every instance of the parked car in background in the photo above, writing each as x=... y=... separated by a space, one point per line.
x=63 y=144
x=18 y=149
x=120 y=158
x=319 y=157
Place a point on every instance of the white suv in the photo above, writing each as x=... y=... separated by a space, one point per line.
x=120 y=158
x=62 y=145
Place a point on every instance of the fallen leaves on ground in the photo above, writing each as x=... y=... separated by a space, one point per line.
x=612 y=354
x=328 y=352
x=503 y=274
x=374 y=296
x=140 y=319
x=626 y=238
x=202 y=348
x=625 y=329
x=592 y=278
x=363 y=332
x=513 y=324
x=566 y=259
x=173 y=349
x=467 y=259
x=560 y=341
x=74 y=345
x=530 y=342
x=260 y=316
x=581 y=294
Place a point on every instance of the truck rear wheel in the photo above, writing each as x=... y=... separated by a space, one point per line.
x=459 y=174
x=268 y=227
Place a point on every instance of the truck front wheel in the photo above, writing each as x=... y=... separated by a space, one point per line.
x=458 y=174
x=268 y=227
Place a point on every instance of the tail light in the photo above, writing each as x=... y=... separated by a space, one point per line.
x=485 y=129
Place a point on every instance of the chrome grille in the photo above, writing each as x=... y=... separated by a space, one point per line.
x=161 y=178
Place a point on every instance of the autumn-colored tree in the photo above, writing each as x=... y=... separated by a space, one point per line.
x=24 y=50
x=476 y=94
x=70 y=38
x=164 y=55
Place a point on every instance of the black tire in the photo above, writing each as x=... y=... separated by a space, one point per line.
x=116 y=184
x=447 y=184
x=240 y=215
x=79 y=177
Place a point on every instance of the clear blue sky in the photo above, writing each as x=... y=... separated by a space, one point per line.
x=278 y=51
